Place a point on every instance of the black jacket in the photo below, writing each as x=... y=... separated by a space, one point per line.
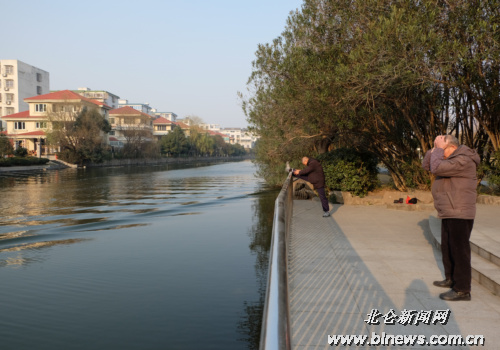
x=314 y=173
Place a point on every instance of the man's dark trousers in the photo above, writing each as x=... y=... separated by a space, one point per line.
x=321 y=193
x=455 y=248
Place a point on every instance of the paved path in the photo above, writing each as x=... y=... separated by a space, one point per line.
x=369 y=257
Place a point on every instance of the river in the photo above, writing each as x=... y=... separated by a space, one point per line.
x=153 y=257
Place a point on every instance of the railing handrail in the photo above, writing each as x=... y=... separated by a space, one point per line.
x=275 y=333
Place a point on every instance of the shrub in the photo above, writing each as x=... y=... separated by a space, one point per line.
x=5 y=146
x=69 y=156
x=23 y=161
x=21 y=152
x=493 y=174
x=349 y=170
x=414 y=175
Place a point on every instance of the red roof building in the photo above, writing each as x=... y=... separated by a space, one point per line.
x=27 y=128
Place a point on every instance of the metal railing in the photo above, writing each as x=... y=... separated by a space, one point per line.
x=275 y=333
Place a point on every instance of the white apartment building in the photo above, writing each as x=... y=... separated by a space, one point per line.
x=19 y=80
x=210 y=127
x=103 y=96
x=240 y=136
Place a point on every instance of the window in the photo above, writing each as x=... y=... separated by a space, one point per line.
x=111 y=120
x=9 y=97
x=161 y=128
x=68 y=108
x=40 y=107
x=19 y=126
x=9 y=69
x=38 y=77
x=111 y=133
x=41 y=125
x=9 y=110
x=38 y=90
x=9 y=83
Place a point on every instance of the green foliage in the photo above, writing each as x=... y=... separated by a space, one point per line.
x=174 y=143
x=21 y=152
x=23 y=161
x=69 y=156
x=199 y=143
x=379 y=75
x=236 y=150
x=5 y=146
x=493 y=173
x=348 y=170
x=139 y=149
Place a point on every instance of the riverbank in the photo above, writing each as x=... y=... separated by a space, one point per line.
x=58 y=164
x=159 y=161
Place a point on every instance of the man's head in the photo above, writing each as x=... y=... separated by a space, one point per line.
x=451 y=145
x=305 y=160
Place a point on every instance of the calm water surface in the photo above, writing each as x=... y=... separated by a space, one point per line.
x=168 y=257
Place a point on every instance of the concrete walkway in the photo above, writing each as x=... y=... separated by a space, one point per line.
x=366 y=258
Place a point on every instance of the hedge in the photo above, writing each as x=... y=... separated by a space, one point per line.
x=24 y=161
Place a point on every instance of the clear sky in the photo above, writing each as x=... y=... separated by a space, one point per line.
x=190 y=57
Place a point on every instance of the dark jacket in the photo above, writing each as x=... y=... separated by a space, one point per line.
x=454 y=190
x=314 y=173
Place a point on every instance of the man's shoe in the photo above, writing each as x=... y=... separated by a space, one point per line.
x=443 y=283
x=452 y=295
x=326 y=214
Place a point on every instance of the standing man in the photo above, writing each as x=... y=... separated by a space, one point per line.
x=454 y=193
x=313 y=173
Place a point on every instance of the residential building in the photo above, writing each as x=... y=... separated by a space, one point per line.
x=123 y=120
x=240 y=136
x=167 y=115
x=103 y=96
x=27 y=129
x=211 y=127
x=186 y=128
x=248 y=139
x=162 y=127
x=225 y=137
x=19 y=80
x=141 y=107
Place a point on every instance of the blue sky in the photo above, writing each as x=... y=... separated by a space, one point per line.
x=189 y=57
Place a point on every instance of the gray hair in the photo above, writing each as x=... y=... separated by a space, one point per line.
x=452 y=140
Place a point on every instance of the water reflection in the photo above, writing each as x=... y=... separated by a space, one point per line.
x=21 y=260
x=166 y=255
x=260 y=234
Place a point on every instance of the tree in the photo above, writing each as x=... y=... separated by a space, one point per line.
x=6 y=147
x=138 y=142
x=81 y=136
x=174 y=143
x=193 y=120
x=382 y=75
